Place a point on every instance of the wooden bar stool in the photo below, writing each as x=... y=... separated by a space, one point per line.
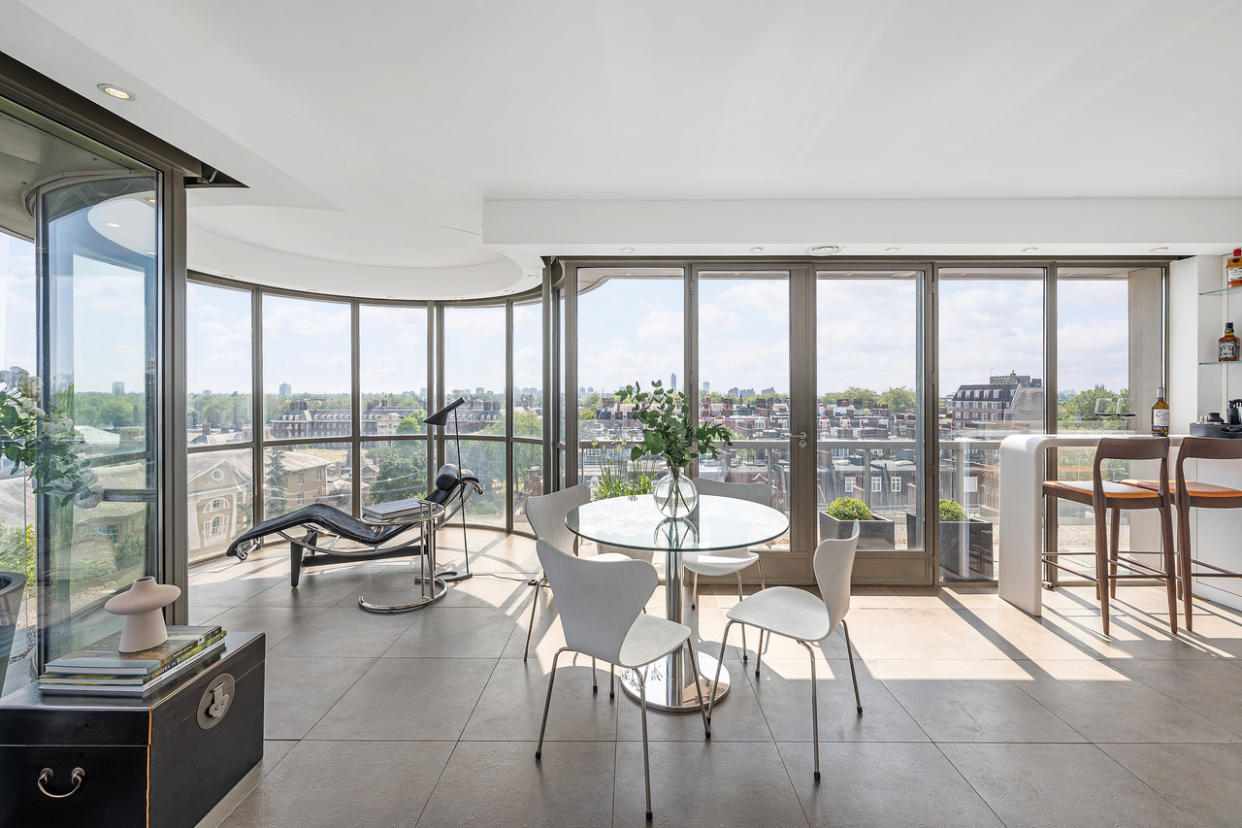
x=1188 y=494
x=1107 y=499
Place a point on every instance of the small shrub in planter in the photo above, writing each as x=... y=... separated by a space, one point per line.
x=874 y=533
x=965 y=542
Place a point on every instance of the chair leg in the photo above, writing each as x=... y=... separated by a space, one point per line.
x=694 y=592
x=849 y=651
x=295 y=564
x=814 y=707
x=1114 y=544
x=698 y=688
x=642 y=696
x=546 y=704
x=724 y=639
x=1185 y=583
x=1101 y=569
x=612 y=681
x=1170 y=566
x=763 y=582
x=594 y=679
x=759 y=652
x=739 y=598
x=534 y=600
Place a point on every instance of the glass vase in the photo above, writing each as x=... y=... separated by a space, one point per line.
x=675 y=494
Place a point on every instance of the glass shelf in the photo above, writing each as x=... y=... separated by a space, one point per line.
x=1221 y=291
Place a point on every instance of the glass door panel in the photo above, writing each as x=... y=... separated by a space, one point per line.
x=991 y=386
x=744 y=378
x=869 y=387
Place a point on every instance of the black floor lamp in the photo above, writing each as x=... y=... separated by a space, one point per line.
x=440 y=418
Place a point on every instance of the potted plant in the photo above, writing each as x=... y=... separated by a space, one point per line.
x=668 y=433
x=874 y=533
x=965 y=542
x=44 y=449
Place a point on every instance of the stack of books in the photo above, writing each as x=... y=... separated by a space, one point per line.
x=101 y=670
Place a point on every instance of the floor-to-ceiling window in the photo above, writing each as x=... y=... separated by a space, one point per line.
x=991 y=372
x=392 y=359
x=219 y=417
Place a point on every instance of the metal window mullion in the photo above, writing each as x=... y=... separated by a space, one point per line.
x=1051 y=276
x=440 y=395
x=429 y=310
x=549 y=363
x=355 y=407
x=803 y=414
x=509 y=472
x=171 y=395
x=928 y=364
x=690 y=343
x=571 y=376
x=257 y=430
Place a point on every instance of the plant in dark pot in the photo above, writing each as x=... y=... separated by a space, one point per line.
x=669 y=433
x=965 y=542
x=874 y=533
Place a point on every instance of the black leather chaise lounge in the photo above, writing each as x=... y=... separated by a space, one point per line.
x=452 y=489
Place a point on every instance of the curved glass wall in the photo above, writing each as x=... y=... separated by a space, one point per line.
x=887 y=386
x=341 y=387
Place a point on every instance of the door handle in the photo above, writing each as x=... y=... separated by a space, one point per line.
x=800 y=437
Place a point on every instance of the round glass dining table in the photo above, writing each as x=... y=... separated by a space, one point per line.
x=718 y=523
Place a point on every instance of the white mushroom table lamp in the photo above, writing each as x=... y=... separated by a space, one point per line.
x=141 y=605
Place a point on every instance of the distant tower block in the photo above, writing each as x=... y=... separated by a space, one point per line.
x=672 y=382
x=286 y=390
x=707 y=387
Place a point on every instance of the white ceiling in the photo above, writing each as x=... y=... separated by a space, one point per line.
x=371 y=133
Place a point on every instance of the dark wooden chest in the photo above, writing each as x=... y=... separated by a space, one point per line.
x=156 y=762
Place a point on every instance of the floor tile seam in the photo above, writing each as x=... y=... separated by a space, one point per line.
x=474 y=708
x=1237 y=732
x=344 y=692
x=436 y=785
x=1021 y=686
x=971 y=785
x=1140 y=779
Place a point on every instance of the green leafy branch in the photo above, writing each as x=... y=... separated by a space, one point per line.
x=668 y=431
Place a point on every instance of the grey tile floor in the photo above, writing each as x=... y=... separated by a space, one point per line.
x=975 y=714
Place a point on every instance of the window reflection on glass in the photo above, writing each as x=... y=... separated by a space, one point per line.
x=306 y=368
x=868 y=424
x=393 y=369
x=528 y=370
x=528 y=479
x=992 y=385
x=744 y=378
x=220 y=500
x=295 y=476
x=218 y=357
x=1108 y=368
x=393 y=470
x=486 y=458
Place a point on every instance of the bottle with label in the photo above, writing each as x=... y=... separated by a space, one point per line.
x=1160 y=415
x=1227 y=347
x=1233 y=269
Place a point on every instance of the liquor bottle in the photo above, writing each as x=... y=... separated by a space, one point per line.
x=1160 y=415
x=1227 y=347
x=1233 y=268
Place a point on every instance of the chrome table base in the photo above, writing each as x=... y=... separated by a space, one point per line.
x=432 y=589
x=676 y=695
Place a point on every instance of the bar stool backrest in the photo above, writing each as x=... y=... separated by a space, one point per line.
x=1204 y=448
x=1130 y=448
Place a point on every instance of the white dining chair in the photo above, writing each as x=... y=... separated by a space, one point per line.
x=722 y=562
x=800 y=615
x=601 y=605
x=546 y=514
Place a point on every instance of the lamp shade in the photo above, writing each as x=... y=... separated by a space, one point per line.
x=441 y=417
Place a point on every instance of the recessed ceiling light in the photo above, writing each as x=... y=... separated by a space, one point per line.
x=824 y=249
x=1029 y=249
x=756 y=250
x=891 y=249
x=111 y=224
x=151 y=201
x=116 y=92
x=149 y=253
x=1160 y=250
x=627 y=250
x=390 y=297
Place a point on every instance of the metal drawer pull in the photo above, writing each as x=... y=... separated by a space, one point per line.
x=77 y=777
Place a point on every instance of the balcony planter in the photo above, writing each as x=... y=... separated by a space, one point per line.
x=873 y=535
x=12 y=591
x=965 y=548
